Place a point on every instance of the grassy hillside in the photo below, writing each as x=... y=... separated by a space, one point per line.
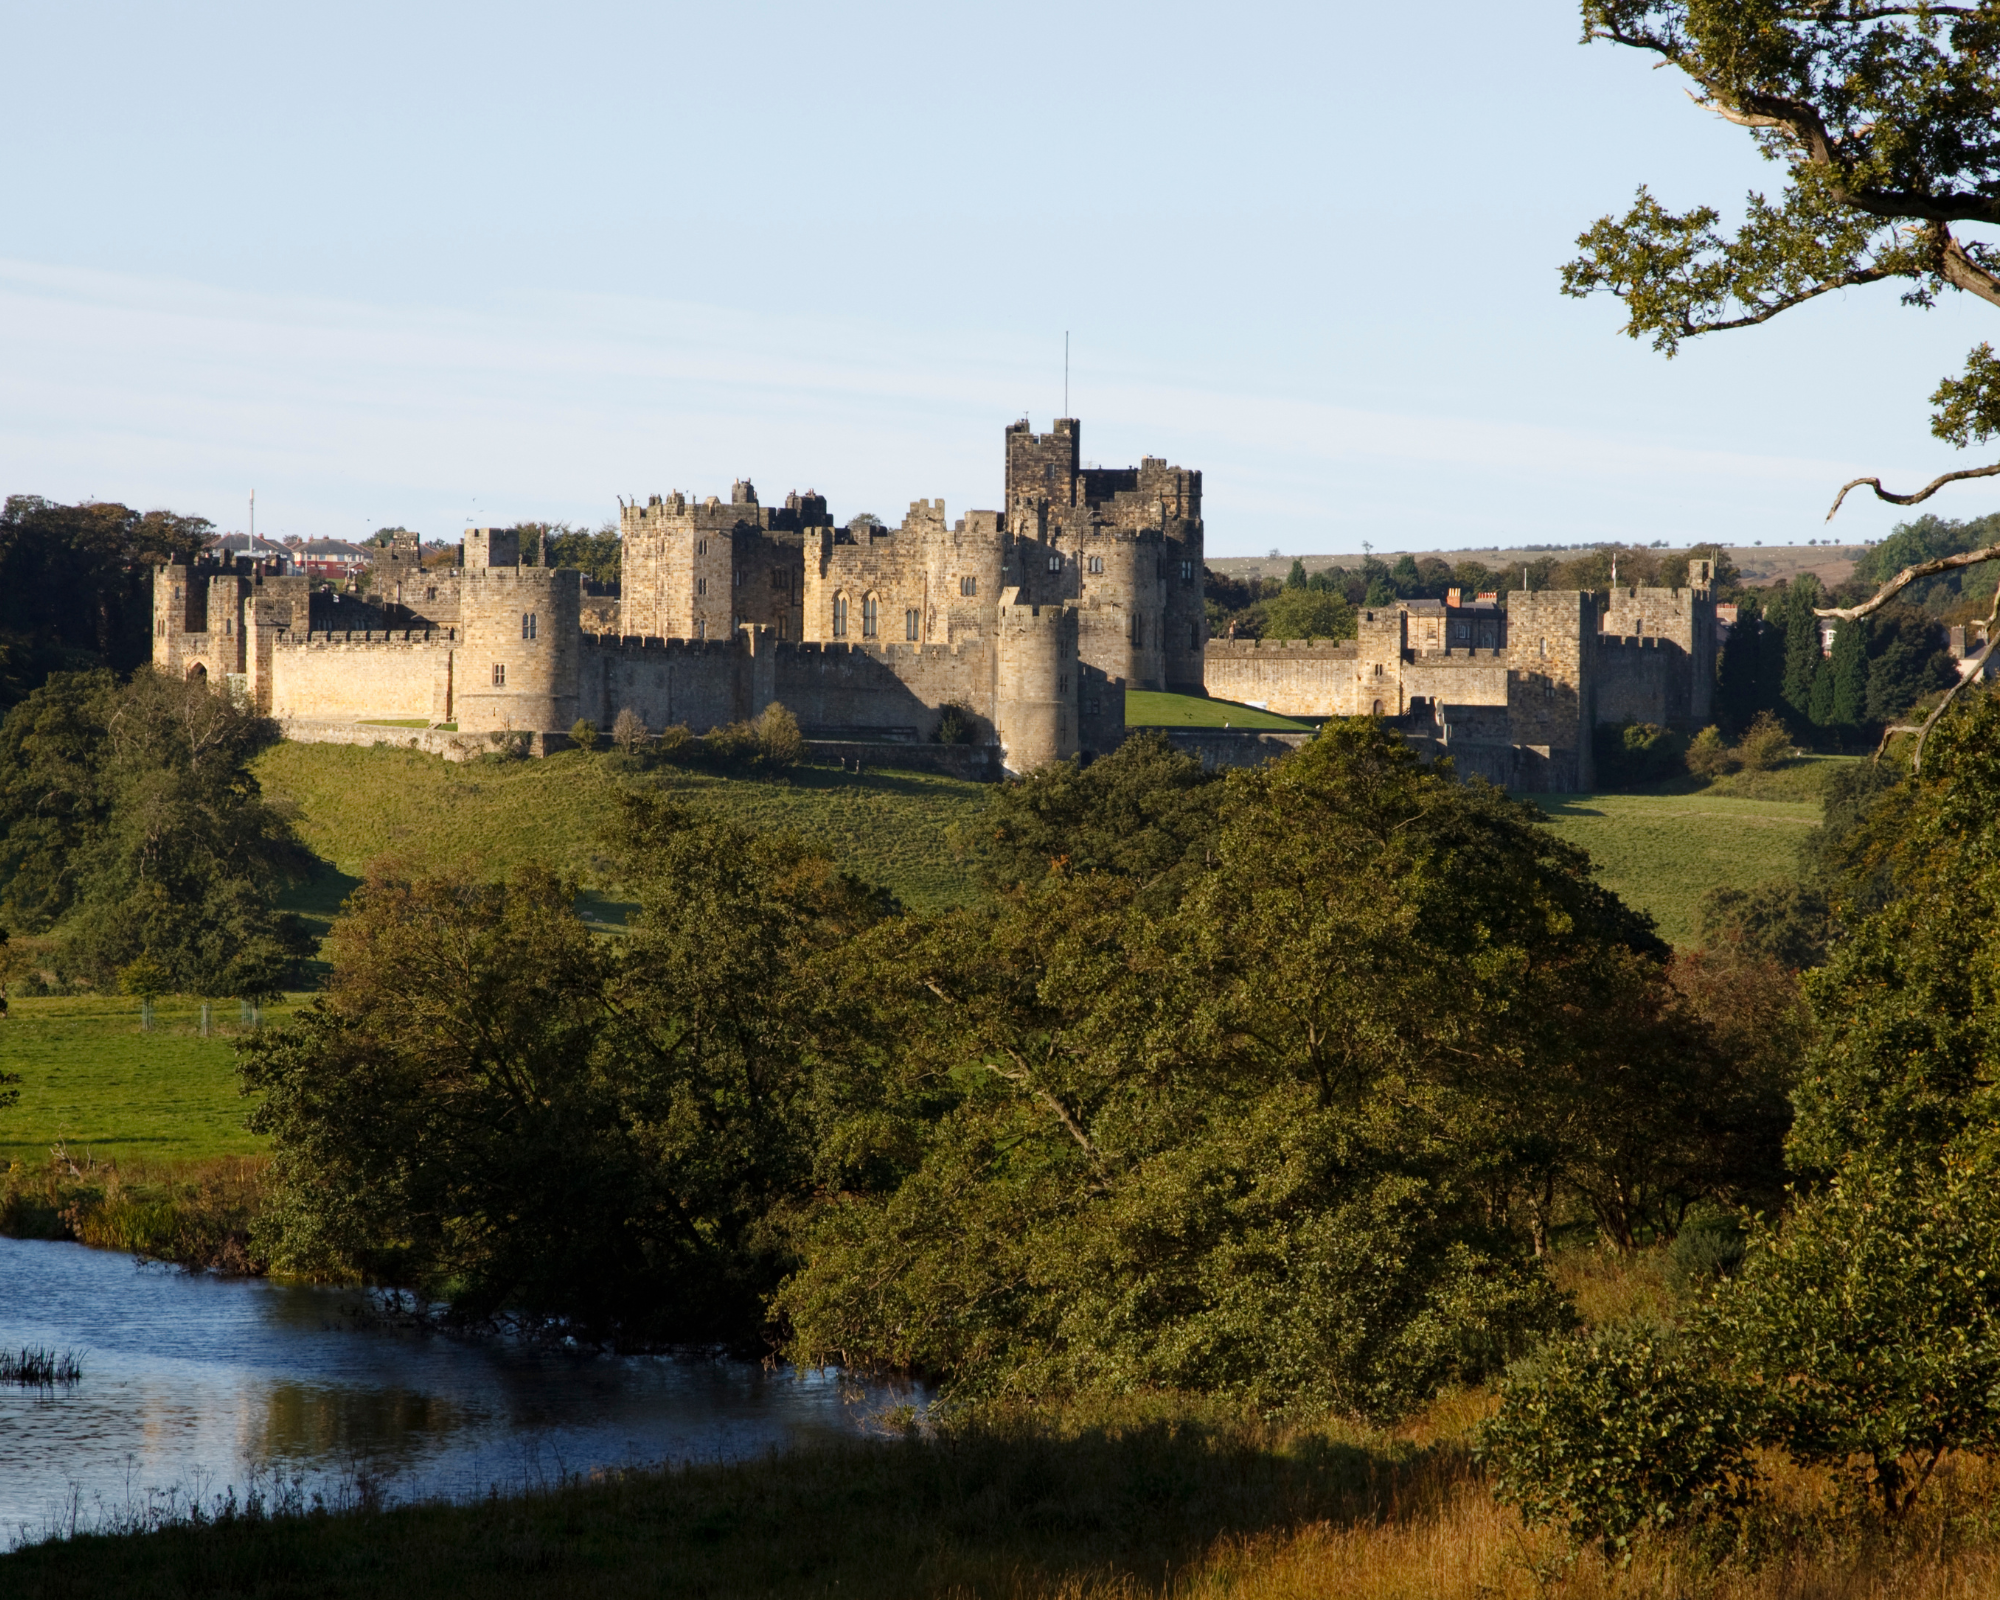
x=1662 y=853
x=354 y=804
x=91 y=1079
x=1148 y=708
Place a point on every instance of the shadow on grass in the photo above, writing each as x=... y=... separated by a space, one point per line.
x=1564 y=805
x=983 y=1513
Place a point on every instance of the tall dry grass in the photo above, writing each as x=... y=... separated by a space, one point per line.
x=196 y=1214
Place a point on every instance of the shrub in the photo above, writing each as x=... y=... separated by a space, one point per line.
x=954 y=725
x=780 y=744
x=1633 y=753
x=628 y=731
x=1705 y=1251
x=1765 y=744
x=1871 y=1323
x=1619 y=1435
x=583 y=734
x=1708 y=756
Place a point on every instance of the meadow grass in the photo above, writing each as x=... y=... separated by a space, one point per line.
x=1149 y=708
x=1663 y=852
x=93 y=1082
x=354 y=804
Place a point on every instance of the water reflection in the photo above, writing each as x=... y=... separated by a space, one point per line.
x=201 y=1382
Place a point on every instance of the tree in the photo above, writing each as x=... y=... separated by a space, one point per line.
x=1847 y=671
x=1886 y=118
x=76 y=586
x=1304 y=613
x=1269 y=1134
x=131 y=825
x=1907 y=660
x=1802 y=646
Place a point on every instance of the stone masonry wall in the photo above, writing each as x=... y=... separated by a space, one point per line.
x=366 y=675
x=1290 y=676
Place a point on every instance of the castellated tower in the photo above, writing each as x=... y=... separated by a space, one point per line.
x=1125 y=543
x=1551 y=701
x=515 y=668
x=1035 y=703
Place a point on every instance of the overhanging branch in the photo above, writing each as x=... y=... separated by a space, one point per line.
x=1924 y=493
x=1908 y=576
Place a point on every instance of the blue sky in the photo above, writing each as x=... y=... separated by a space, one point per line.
x=437 y=264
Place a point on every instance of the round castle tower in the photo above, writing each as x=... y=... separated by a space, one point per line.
x=515 y=669
x=1035 y=698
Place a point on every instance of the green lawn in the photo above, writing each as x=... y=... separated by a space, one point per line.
x=1662 y=853
x=355 y=804
x=1148 y=708
x=91 y=1078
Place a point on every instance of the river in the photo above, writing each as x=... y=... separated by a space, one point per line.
x=197 y=1385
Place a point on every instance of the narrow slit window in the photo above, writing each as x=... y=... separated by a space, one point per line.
x=840 y=616
x=870 y=615
x=913 y=625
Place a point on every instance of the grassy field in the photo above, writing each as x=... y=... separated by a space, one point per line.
x=1662 y=853
x=355 y=804
x=93 y=1080
x=1148 y=708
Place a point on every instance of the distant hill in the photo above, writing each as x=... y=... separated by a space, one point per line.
x=1759 y=564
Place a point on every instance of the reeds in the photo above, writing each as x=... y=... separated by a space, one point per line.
x=35 y=1367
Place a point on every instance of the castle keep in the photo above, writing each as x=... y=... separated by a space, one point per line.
x=1029 y=623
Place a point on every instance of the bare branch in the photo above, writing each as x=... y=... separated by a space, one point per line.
x=1924 y=493
x=1908 y=576
x=1025 y=1080
x=1890 y=732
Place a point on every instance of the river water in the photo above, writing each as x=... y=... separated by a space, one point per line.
x=196 y=1385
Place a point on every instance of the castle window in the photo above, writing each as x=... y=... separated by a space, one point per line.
x=1138 y=630
x=701 y=627
x=1378 y=708
x=228 y=627
x=1545 y=646
x=1548 y=690
x=499 y=675
x=913 y=625
x=781 y=628
x=527 y=624
x=701 y=586
x=737 y=574
x=870 y=615
x=968 y=585
x=1055 y=561
x=701 y=547
x=840 y=616
x=1187 y=571
x=1097 y=563
x=1194 y=635
x=1062 y=684
x=430 y=594
x=1461 y=631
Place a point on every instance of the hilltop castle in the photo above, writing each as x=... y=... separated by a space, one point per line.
x=1029 y=622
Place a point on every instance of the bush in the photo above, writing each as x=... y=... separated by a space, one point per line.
x=1630 y=754
x=780 y=744
x=628 y=731
x=954 y=725
x=1765 y=744
x=1708 y=756
x=583 y=734
x=1705 y=1252
x=1619 y=1435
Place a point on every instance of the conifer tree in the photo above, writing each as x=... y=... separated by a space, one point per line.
x=1820 y=706
x=1802 y=653
x=1849 y=673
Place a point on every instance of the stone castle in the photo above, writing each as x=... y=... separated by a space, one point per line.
x=1027 y=623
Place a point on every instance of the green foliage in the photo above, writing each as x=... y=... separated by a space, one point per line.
x=1802 y=649
x=1884 y=119
x=1619 y=1436
x=1630 y=754
x=1783 y=921
x=1907 y=660
x=1766 y=743
x=131 y=827
x=597 y=555
x=1709 y=755
x=955 y=725
x=1869 y=1326
x=76 y=586
x=479 y=1059
x=1303 y=613
x=1847 y=673
x=1707 y=1250
x=1909 y=1052
x=583 y=734
x=1253 y=1141
x=1146 y=812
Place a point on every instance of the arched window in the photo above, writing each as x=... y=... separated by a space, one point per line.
x=840 y=616
x=913 y=625
x=968 y=585
x=1097 y=564
x=1055 y=561
x=701 y=627
x=1378 y=708
x=527 y=624
x=870 y=616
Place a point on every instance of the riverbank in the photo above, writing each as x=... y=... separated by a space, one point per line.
x=1179 y=1505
